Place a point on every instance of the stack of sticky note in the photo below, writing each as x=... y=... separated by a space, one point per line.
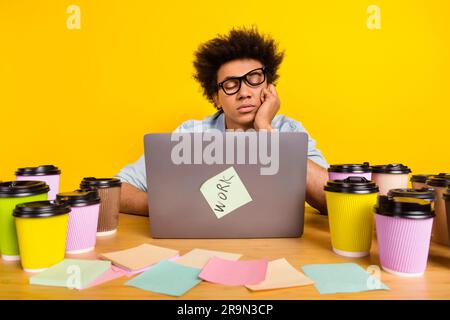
x=234 y=273
x=281 y=274
x=140 y=258
x=167 y=277
x=342 y=278
x=72 y=273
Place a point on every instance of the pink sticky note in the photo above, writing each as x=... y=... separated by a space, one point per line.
x=234 y=273
x=111 y=274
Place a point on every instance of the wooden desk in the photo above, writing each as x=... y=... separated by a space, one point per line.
x=312 y=247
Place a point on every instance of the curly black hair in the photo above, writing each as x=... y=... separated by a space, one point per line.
x=240 y=43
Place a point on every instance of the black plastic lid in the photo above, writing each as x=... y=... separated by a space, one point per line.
x=356 y=185
x=439 y=181
x=422 y=178
x=350 y=168
x=91 y=182
x=424 y=193
x=40 y=209
x=387 y=206
x=16 y=189
x=393 y=168
x=79 y=198
x=44 y=170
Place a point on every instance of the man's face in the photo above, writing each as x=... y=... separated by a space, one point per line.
x=241 y=107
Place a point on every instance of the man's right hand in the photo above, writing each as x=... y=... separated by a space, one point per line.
x=133 y=200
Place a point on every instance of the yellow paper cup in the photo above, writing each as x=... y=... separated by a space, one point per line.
x=41 y=233
x=350 y=205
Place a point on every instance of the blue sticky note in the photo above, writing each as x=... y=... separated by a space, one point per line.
x=168 y=278
x=342 y=278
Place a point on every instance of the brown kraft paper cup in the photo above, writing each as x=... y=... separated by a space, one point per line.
x=447 y=208
x=418 y=181
x=109 y=192
x=108 y=219
x=440 y=231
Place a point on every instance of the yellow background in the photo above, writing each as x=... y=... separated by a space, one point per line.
x=83 y=99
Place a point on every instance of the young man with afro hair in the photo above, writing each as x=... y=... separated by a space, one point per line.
x=237 y=73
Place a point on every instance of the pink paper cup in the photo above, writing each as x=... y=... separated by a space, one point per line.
x=345 y=175
x=83 y=220
x=47 y=173
x=404 y=234
x=343 y=171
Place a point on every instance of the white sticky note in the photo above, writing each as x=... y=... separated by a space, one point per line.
x=225 y=192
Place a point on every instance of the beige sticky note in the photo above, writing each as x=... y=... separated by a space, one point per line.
x=281 y=274
x=198 y=258
x=139 y=257
x=225 y=192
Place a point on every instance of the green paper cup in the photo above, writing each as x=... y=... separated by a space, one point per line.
x=11 y=194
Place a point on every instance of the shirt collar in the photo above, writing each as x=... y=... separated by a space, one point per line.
x=219 y=118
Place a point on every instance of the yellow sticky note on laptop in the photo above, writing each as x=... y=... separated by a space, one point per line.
x=225 y=192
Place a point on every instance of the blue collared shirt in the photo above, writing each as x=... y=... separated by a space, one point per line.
x=135 y=175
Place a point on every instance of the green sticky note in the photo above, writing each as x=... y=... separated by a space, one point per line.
x=71 y=273
x=342 y=278
x=168 y=278
x=225 y=192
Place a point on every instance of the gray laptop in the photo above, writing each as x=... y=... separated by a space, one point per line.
x=181 y=171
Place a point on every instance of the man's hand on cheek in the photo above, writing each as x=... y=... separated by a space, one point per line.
x=270 y=104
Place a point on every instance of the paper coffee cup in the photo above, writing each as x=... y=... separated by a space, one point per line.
x=422 y=196
x=41 y=233
x=83 y=219
x=390 y=176
x=350 y=205
x=440 y=232
x=446 y=197
x=418 y=181
x=47 y=173
x=343 y=171
x=109 y=192
x=11 y=194
x=404 y=231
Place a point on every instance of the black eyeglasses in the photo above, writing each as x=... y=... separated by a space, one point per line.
x=233 y=84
